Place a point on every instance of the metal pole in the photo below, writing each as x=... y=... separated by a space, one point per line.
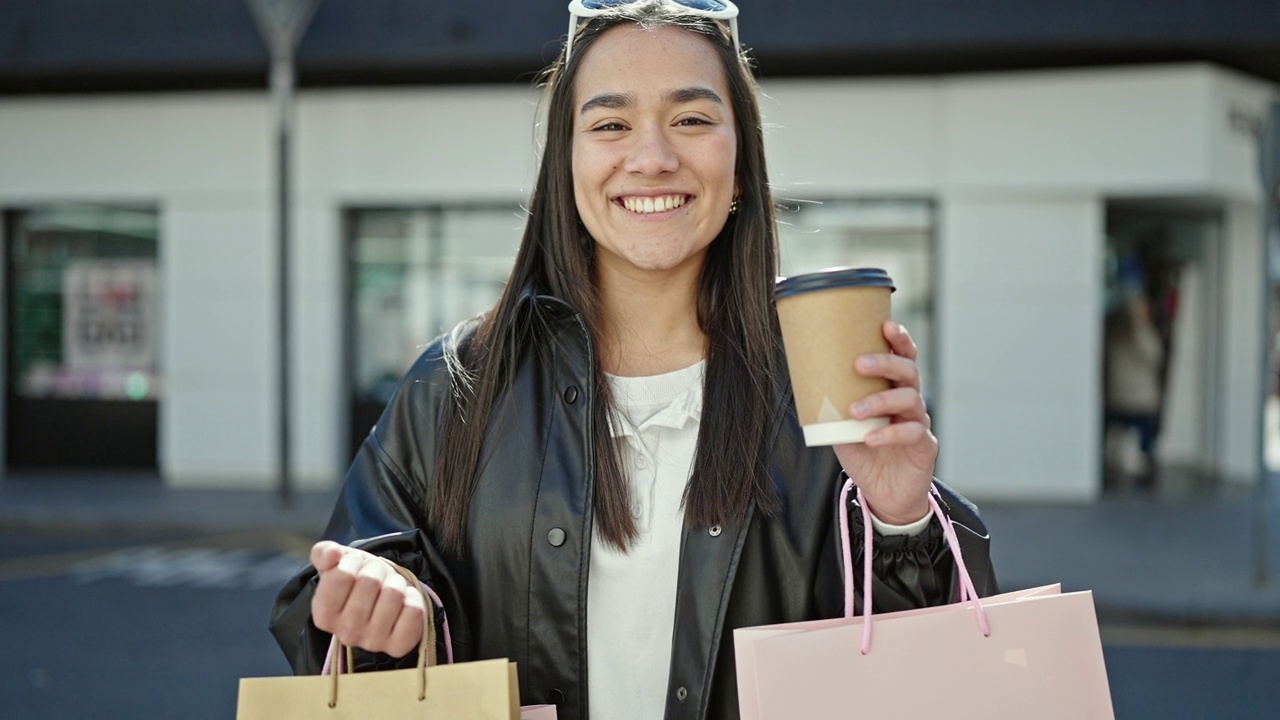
x=281 y=23
x=282 y=85
x=1269 y=166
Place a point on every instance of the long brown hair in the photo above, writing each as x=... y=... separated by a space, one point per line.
x=556 y=257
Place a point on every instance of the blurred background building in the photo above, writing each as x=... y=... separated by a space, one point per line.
x=1038 y=176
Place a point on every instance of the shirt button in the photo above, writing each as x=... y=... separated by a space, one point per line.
x=642 y=463
x=571 y=394
x=637 y=512
x=715 y=530
x=556 y=537
x=681 y=693
x=555 y=697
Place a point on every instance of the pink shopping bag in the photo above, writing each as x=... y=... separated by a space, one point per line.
x=1032 y=653
x=747 y=640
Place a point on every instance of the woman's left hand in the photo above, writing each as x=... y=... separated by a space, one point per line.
x=894 y=466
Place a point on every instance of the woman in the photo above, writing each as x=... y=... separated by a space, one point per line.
x=604 y=476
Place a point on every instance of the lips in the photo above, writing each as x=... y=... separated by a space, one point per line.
x=652 y=204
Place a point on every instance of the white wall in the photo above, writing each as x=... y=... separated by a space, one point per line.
x=1018 y=316
x=836 y=138
x=1137 y=130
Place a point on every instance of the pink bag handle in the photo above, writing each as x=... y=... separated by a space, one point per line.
x=444 y=628
x=967 y=590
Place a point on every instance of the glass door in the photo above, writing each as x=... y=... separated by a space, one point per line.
x=414 y=273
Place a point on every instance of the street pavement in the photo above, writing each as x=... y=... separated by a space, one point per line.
x=127 y=599
x=117 y=625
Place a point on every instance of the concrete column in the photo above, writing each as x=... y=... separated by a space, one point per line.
x=320 y=392
x=1241 y=374
x=1019 y=317
x=217 y=413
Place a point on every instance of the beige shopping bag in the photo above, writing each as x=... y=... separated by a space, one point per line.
x=483 y=690
x=1033 y=653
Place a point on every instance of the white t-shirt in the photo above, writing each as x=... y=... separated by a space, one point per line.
x=631 y=597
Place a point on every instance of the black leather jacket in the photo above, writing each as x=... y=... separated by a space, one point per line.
x=521 y=590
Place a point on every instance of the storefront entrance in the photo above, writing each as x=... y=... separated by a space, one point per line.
x=83 y=383
x=1161 y=358
x=411 y=275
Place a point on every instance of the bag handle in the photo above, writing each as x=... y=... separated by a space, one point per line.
x=967 y=590
x=426 y=647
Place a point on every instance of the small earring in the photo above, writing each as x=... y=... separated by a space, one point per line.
x=733 y=206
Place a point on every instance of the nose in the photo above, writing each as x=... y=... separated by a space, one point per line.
x=652 y=155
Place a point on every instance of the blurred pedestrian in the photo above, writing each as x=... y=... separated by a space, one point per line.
x=1135 y=365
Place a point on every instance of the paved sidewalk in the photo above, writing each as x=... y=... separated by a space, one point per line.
x=1182 y=559
x=106 y=502
x=1180 y=555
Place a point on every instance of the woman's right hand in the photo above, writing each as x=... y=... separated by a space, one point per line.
x=364 y=602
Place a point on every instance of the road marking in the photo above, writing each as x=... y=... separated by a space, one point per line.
x=190 y=567
x=289 y=549
x=1243 y=637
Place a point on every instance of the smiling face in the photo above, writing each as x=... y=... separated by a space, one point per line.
x=653 y=148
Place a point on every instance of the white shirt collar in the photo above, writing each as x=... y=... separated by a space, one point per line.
x=676 y=396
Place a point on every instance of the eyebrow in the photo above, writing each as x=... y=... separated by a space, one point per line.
x=680 y=96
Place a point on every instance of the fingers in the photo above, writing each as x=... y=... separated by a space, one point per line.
x=325 y=555
x=406 y=633
x=366 y=585
x=335 y=583
x=385 y=612
x=904 y=433
x=895 y=368
x=900 y=341
x=899 y=364
x=904 y=403
x=364 y=602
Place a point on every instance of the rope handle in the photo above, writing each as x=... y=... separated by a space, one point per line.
x=967 y=590
x=333 y=664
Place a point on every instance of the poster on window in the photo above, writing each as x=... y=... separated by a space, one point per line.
x=109 y=314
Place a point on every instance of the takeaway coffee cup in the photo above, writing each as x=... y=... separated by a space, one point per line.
x=828 y=319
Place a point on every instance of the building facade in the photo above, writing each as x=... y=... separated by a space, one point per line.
x=141 y=261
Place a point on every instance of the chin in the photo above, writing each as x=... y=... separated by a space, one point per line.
x=659 y=263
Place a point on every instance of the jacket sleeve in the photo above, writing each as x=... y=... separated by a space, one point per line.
x=380 y=509
x=914 y=571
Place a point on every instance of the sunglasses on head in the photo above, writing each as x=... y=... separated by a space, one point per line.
x=715 y=9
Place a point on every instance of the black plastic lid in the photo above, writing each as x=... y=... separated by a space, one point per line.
x=833 y=278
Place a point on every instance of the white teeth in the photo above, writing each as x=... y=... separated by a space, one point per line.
x=647 y=205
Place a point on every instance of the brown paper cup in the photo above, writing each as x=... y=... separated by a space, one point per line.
x=828 y=319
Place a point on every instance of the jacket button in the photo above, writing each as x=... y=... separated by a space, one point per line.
x=681 y=693
x=570 y=394
x=556 y=538
x=555 y=697
x=715 y=530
